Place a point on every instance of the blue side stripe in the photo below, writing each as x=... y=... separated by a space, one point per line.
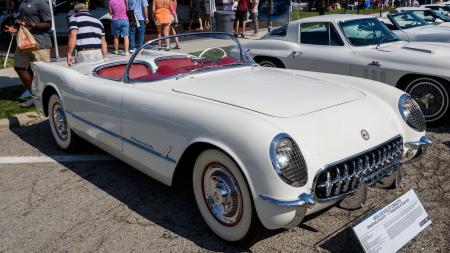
x=129 y=141
x=94 y=125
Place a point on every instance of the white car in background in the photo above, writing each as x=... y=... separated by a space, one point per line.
x=362 y=46
x=429 y=15
x=261 y=147
x=410 y=27
x=443 y=8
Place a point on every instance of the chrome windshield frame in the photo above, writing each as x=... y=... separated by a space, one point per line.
x=242 y=56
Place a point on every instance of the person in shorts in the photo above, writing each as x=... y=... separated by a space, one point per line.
x=207 y=13
x=87 y=35
x=119 y=24
x=36 y=16
x=254 y=11
x=195 y=13
x=241 y=15
x=173 y=12
x=163 y=17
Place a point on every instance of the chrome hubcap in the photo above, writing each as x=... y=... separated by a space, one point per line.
x=60 y=121
x=430 y=98
x=267 y=64
x=222 y=195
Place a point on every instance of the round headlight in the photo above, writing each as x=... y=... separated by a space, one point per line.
x=288 y=161
x=411 y=113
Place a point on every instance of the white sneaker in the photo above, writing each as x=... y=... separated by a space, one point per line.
x=132 y=51
x=25 y=95
x=27 y=104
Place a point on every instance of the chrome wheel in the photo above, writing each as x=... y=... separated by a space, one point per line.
x=60 y=121
x=431 y=97
x=268 y=64
x=222 y=195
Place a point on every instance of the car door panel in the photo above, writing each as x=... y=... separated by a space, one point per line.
x=321 y=49
x=93 y=106
x=148 y=134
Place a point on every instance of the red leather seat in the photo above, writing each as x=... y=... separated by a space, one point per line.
x=226 y=60
x=113 y=72
x=139 y=71
x=166 y=71
x=176 y=63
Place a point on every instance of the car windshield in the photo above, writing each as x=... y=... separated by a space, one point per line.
x=365 y=32
x=442 y=16
x=183 y=55
x=406 y=20
x=431 y=16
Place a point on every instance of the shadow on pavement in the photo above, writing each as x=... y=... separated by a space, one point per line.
x=172 y=208
x=336 y=243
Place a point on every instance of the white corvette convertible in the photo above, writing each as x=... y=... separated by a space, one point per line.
x=262 y=147
x=362 y=46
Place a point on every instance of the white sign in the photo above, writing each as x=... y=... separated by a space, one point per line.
x=388 y=229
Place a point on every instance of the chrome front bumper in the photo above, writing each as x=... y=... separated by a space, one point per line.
x=415 y=149
x=301 y=204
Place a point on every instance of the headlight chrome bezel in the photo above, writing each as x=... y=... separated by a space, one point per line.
x=414 y=117
x=297 y=157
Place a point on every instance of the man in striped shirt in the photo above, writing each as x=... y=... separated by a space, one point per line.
x=86 y=35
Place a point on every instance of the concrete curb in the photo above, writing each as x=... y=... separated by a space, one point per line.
x=23 y=119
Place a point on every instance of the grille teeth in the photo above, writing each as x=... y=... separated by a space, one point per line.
x=347 y=179
x=369 y=167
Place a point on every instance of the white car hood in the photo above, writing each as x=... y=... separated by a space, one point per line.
x=431 y=32
x=273 y=92
x=418 y=49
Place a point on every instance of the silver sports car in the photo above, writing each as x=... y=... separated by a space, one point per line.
x=362 y=46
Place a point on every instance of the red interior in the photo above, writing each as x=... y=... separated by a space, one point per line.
x=166 y=68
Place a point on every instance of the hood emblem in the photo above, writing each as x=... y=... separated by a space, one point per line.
x=365 y=135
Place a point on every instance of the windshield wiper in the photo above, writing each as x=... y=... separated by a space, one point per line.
x=385 y=39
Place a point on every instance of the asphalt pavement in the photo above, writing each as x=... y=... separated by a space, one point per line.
x=106 y=205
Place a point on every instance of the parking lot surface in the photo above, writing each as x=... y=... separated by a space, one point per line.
x=105 y=205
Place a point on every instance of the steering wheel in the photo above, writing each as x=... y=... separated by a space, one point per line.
x=224 y=54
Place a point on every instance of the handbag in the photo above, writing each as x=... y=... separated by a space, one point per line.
x=131 y=17
x=25 y=40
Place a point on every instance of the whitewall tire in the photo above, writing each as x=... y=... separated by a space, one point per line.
x=223 y=198
x=59 y=125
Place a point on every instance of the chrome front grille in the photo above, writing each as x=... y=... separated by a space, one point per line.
x=343 y=177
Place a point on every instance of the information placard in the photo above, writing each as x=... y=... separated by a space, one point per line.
x=391 y=227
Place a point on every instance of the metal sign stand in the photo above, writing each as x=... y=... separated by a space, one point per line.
x=9 y=50
x=55 y=39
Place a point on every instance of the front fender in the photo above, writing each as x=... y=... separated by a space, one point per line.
x=41 y=82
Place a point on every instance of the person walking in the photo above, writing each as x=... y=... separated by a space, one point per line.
x=173 y=12
x=163 y=18
x=35 y=15
x=119 y=24
x=241 y=15
x=87 y=35
x=254 y=11
x=140 y=9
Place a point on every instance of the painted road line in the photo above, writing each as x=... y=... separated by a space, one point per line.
x=52 y=159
